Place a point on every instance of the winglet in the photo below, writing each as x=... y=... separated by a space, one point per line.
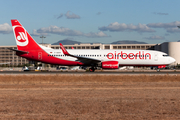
x=63 y=49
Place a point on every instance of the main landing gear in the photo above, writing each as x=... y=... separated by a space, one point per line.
x=92 y=69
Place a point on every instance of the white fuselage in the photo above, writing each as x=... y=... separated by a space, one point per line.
x=124 y=57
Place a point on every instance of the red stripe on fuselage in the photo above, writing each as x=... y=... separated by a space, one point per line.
x=141 y=65
x=46 y=58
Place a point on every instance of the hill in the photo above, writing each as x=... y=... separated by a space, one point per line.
x=66 y=42
x=128 y=42
x=72 y=42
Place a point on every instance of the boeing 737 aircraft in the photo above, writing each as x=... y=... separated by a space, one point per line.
x=107 y=59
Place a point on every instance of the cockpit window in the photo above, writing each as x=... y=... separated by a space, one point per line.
x=165 y=55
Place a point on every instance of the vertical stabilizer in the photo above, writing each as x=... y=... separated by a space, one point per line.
x=23 y=40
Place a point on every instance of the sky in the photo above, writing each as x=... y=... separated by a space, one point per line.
x=92 y=21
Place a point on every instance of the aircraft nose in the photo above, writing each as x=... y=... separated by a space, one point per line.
x=172 y=60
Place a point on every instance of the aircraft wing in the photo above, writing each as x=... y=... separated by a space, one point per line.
x=18 y=50
x=85 y=60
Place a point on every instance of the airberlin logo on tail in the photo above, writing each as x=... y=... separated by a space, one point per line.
x=21 y=36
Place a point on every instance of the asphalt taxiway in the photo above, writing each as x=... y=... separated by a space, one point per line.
x=162 y=72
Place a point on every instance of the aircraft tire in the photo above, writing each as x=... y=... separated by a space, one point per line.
x=91 y=69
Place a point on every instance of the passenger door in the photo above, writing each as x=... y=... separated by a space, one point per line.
x=156 y=57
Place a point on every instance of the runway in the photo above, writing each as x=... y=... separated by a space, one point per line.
x=162 y=72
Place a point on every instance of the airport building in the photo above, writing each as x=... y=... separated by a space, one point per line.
x=171 y=48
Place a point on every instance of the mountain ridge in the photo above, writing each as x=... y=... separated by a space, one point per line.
x=72 y=42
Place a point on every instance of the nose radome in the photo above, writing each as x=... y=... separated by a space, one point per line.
x=172 y=60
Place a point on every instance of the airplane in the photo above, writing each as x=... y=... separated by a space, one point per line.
x=28 y=48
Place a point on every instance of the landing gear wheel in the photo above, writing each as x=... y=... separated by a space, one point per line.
x=158 y=70
x=91 y=69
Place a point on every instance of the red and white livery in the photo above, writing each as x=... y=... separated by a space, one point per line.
x=107 y=59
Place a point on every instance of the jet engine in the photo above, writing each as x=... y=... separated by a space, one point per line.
x=110 y=65
x=162 y=66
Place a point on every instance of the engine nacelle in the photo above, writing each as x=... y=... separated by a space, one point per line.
x=110 y=65
x=162 y=66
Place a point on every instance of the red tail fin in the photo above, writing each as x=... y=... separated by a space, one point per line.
x=23 y=40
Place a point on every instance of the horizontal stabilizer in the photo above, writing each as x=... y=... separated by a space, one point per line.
x=18 y=50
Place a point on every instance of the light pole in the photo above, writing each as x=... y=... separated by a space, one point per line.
x=42 y=44
x=42 y=38
x=179 y=28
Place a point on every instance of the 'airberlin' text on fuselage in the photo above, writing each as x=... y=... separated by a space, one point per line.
x=131 y=56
